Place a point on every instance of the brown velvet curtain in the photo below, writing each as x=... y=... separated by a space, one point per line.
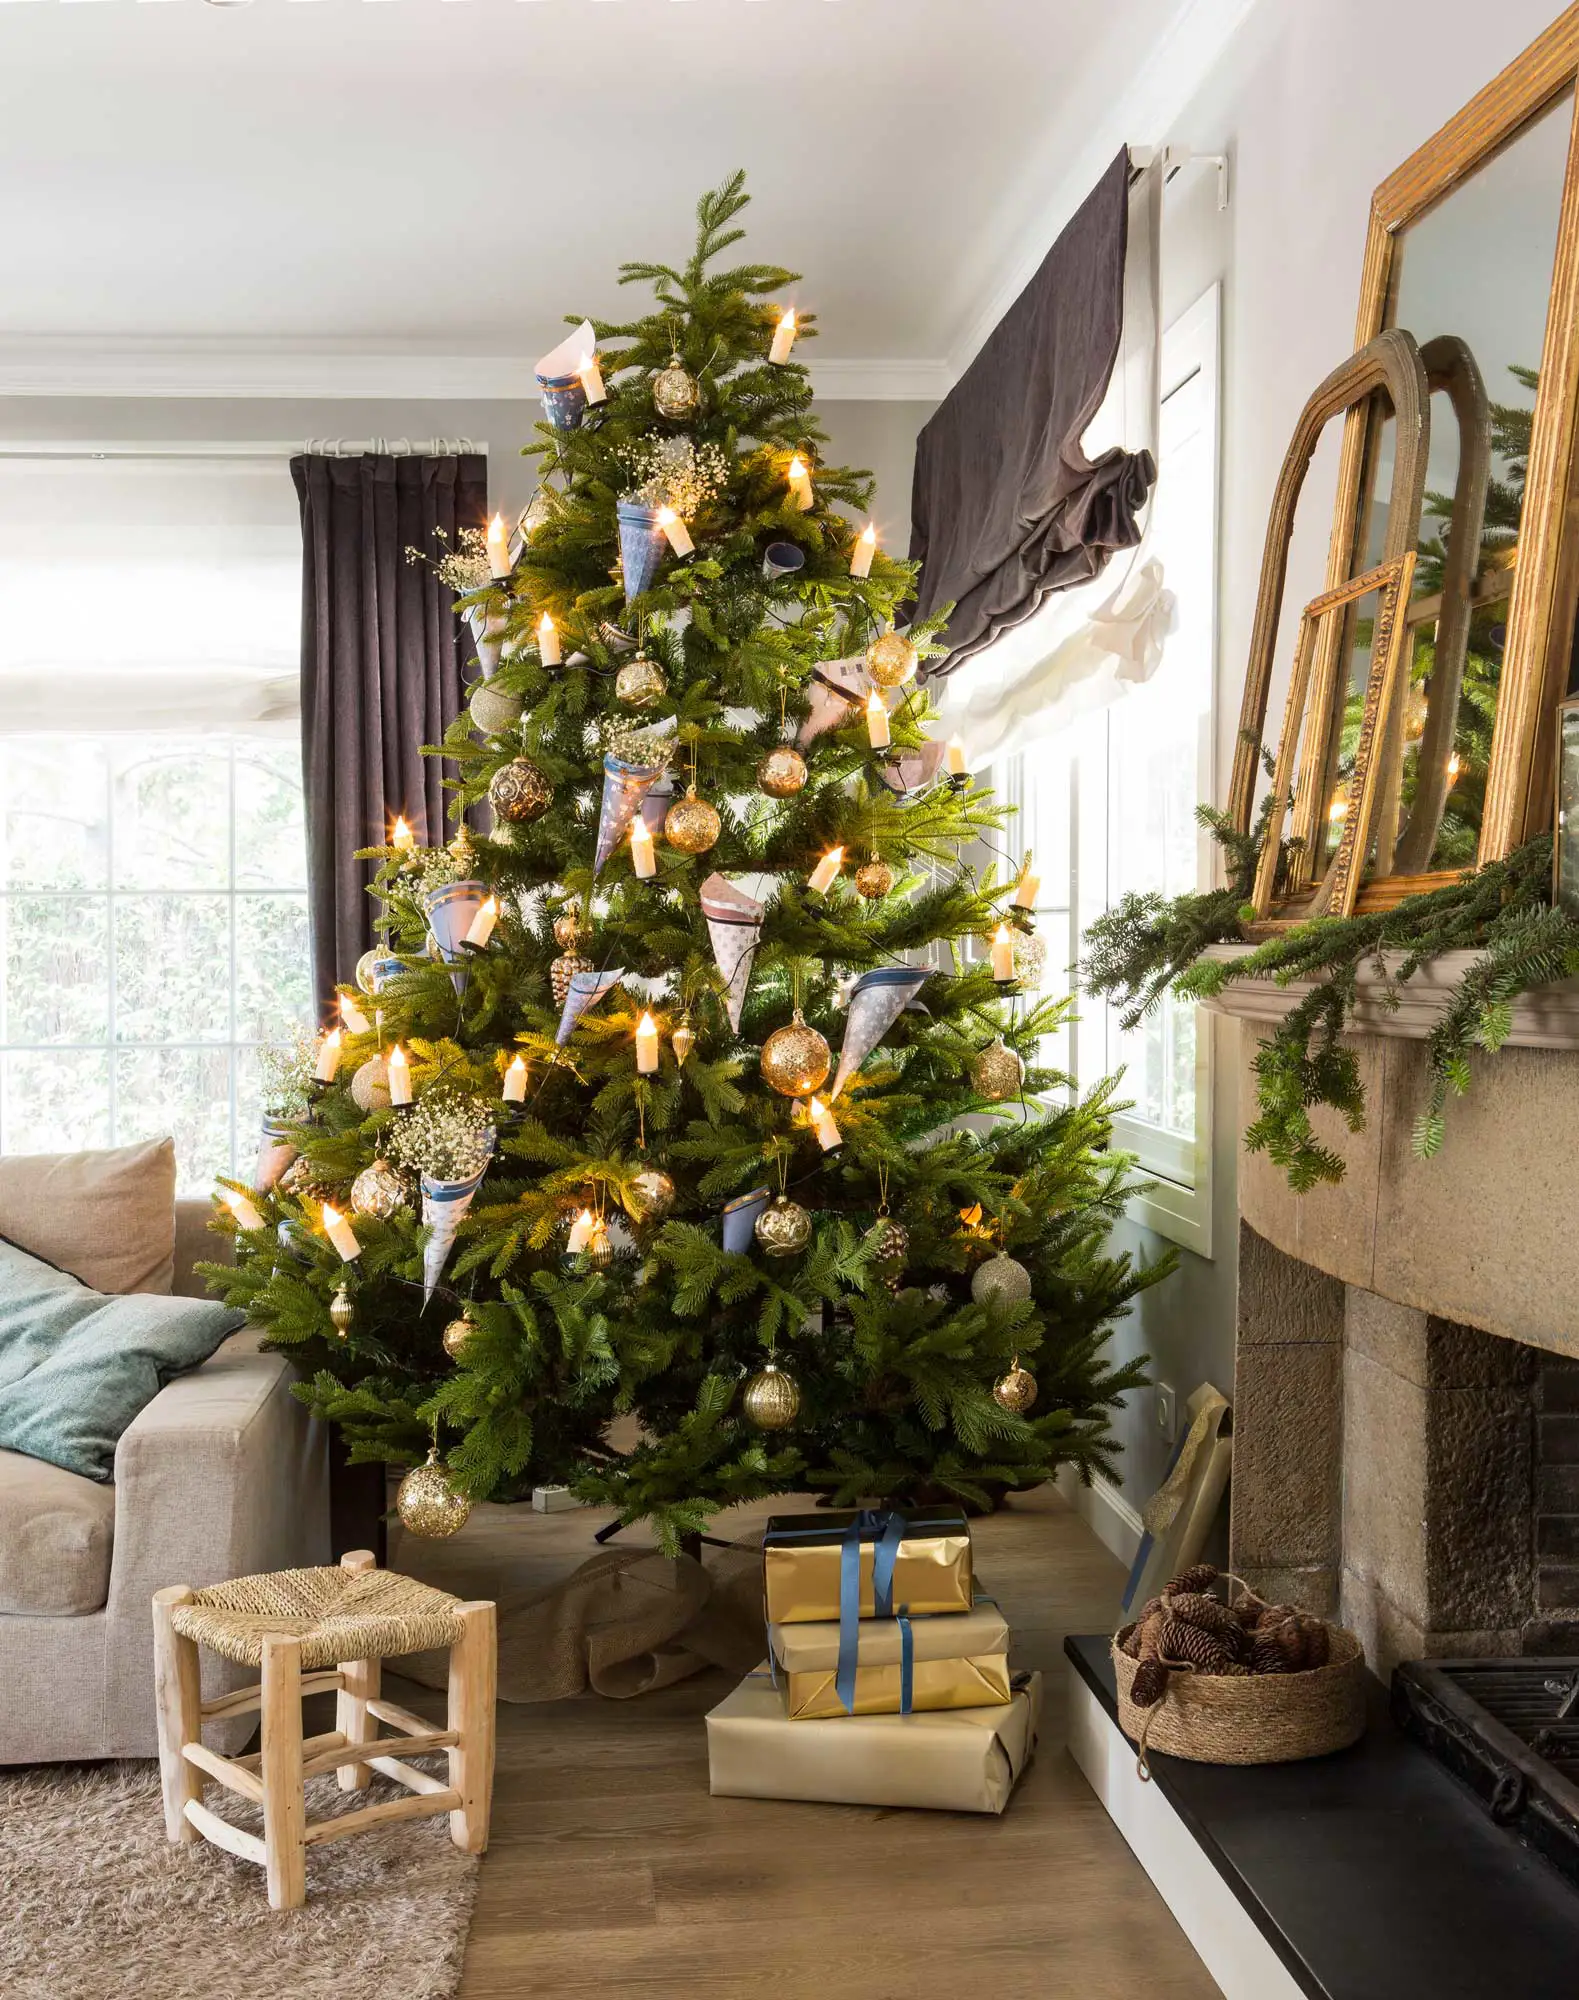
x=1006 y=507
x=381 y=671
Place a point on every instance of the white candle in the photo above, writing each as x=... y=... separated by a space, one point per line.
x=481 y=927
x=954 y=757
x=643 y=860
x=398 y=1074
x=581 y=1231
x=340 y=1233
x=783 y=338
x=548 y=641
x=403 y=840
x=1025 y=893
x=863 y=552
x=354 y=1020
x=876 y=721
x=799 y=478
x=822 y=876
x=245 y=1211
x=679 y=534
x=498 y=547
x=328 y=1056
x=822 y=1123
x=646 y=1045
x=1002 y=954
x=515 y=1081
x=592 y=379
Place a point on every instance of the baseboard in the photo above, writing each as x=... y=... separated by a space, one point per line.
x=1105 y=1512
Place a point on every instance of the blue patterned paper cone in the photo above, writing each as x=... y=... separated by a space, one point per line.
x=624 y=788
x=912 y=770
x=656 y=803
x=586 y=990
x=564 y=400
x=838 y=690
x=782 y=559
x=734 y=923
x=740 y=1220
x=877 y=1000
x=443 y=1205
x=450 y=911
x=276 y=1150
x=642 y=543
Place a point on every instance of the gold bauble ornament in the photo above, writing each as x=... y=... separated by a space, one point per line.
x=782 y=772
x=1015 y=1391
x=650 y=1195
x=783 y=1229
x=796 y=1059
x=341 y=1311
x=457 y=1333
x=874 y=879
x=562 y=971
x=519 y=792
x=379 y=1191
x=691 y=825
x=998 y=1072
x=1001 y=1281
x=676 y=393
x=891 y=659
x=493 y=709
x=683 y=1040
x=370 y=1085
x=364 y=968
x=771 y=1399
x=428 y=1503
x=567 y=929
x=640 y=682
x=600 y=1250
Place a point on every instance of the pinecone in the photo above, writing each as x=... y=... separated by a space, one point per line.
x=1209 y=1615
x=1273 y=1615
x=1198 y=1577
x=1130 y=1641
x=1268 y=1657
x=1203 y=1650
x=1318 y=1642
x=1149 y=1633
x=1149 y=1683
x=1248 y=1612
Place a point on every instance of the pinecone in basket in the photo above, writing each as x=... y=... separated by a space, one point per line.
x=1149 y=1683
x=1195 y=1609
x=1149 y=1633
x=1129 y=1641
x=1203 y=1650
x=1268 y=1657
x=1198 y=1577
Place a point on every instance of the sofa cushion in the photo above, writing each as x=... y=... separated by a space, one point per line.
x=106 y=1217
x=56 y=1532
x=76 y=1367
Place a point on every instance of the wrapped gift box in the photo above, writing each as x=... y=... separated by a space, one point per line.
x=901 y=1664
x=949 y=1759
x=803 y=1557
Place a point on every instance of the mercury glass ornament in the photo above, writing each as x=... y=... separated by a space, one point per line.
x=562 y=971
x=771 y=1399
x=1030 y=959
x=796 y=1059
x=890 y=659
x=364 y=968
x=640 y=682
x=567 y=929
x=379 y=1191
x=998 y=1072
x=691 y=825
x=783 y=1229
x=683 y=1040
x=540 y=510
x=493 y=709
x=874 y=879
x=457 y=1333
x=1015 y=1391
x=676 y=393
x=427 y=1502
x=782 y=772
x=370 y=1085
x=650 y=1196
x=519 y=792
x=1001 y=1281
x=341 y=1311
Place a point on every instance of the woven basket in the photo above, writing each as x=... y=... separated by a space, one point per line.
x=1249 y=1718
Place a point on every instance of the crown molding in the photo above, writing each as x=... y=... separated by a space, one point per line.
x=71 y=365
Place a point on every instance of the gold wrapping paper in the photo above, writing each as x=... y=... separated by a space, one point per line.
x=957 y=1662
x=949 y=1760
x=932 y=1573
x=981 y=1681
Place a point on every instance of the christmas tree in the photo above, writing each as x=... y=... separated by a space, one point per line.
x=661 y=1097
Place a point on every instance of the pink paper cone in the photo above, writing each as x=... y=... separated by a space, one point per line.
x=734 y=923
x=912 y=770
x=276 y=1150
x=837 y=692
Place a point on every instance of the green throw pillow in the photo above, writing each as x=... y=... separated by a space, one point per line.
x=76 y=1366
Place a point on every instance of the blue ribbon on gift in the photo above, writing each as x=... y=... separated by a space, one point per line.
x=886 y=1528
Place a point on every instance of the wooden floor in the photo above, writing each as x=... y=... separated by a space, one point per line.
x=612 y=1872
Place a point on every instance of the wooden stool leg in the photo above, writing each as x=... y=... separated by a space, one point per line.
x=363 y=1679
x=284 y=1800
x=474 y=1670
x=179 y=1694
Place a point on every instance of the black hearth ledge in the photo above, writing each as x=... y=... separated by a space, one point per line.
x=1373 y=1874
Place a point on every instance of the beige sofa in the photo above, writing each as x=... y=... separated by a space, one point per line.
x=222 y=1474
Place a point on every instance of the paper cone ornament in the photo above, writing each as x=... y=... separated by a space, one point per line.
x=276 y=1150
x=740 y=1220
x=838 y=690
x=586 y=990
x=450 y=912
x=488 y=630
x=293 y=1239
x=655 y=806
x=782 y=559
x=559 y=378
x=625 y=786
x=913 y=770
x=734 y=923
x=877 y=1000
x=443 y=1205
x=642 y=543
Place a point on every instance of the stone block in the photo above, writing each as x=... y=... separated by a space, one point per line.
x=1557 y=1489
x=1557 y=1387
x=1385 y=1491
x=1559 y=1440
x=1479 y=1486
x=1550 y=1637
x=1557 y=1586
x=1387 y=1634
x=1392 y=1335
x=1462 y=1357
x=1557 y=1537
x=1314 y=1589
x=1288 y=1448
x=1281 y=1300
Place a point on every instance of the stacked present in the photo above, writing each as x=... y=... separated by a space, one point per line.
x=888 y=1679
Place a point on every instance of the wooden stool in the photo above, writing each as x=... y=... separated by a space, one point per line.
x=310 y=1630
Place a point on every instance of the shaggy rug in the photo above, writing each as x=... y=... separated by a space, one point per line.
x=95 y=1903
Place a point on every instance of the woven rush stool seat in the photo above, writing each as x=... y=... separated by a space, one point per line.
x=337 y=1614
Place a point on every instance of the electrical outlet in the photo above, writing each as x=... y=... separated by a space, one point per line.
x=1167 y=1415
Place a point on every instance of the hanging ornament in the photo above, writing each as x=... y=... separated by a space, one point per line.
x=1015 y=1391
x=341 y=1311
x=568 y=929
x=366 y=969
x=457 y=1333
x=562 y=971
x=600 y=1246
x=650 y=1195
x=494 y=709
x=691 y=825
x=301 y=1178
x=1001 y=1281
x=519 y=792
x=874 y=879
x=893 y=1245
x=676 y=393
x=640 y=682
x=891 y=659
x=782 y=772
x=370 y=1085
x=379 y=1191
x=1030 y=959
x=783 y=1229
x=998 y=1072
x=683 y=1040
x=796 y=1059
x=428 y=1503
x=538 y=513
x=771 y=1399
x=461 y=850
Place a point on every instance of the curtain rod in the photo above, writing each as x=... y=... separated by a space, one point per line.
x=1173 y=160
x=252 y=448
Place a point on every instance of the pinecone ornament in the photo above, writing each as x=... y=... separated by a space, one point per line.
x=562 y=971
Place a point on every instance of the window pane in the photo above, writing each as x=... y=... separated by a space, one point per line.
x=56 y=969
x=273 y=987
x=172 y=814
x=271 y=841
x=53 y=824
x=172 y=969
x=182 y=1092
x=54 y=1102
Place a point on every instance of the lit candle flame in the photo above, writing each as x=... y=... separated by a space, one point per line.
x=1453 y=766
x=869 y=535
x=797 y=468
x=402 y=837
x=787 y=320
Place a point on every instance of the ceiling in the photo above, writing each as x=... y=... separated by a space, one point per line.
x=219 y=192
